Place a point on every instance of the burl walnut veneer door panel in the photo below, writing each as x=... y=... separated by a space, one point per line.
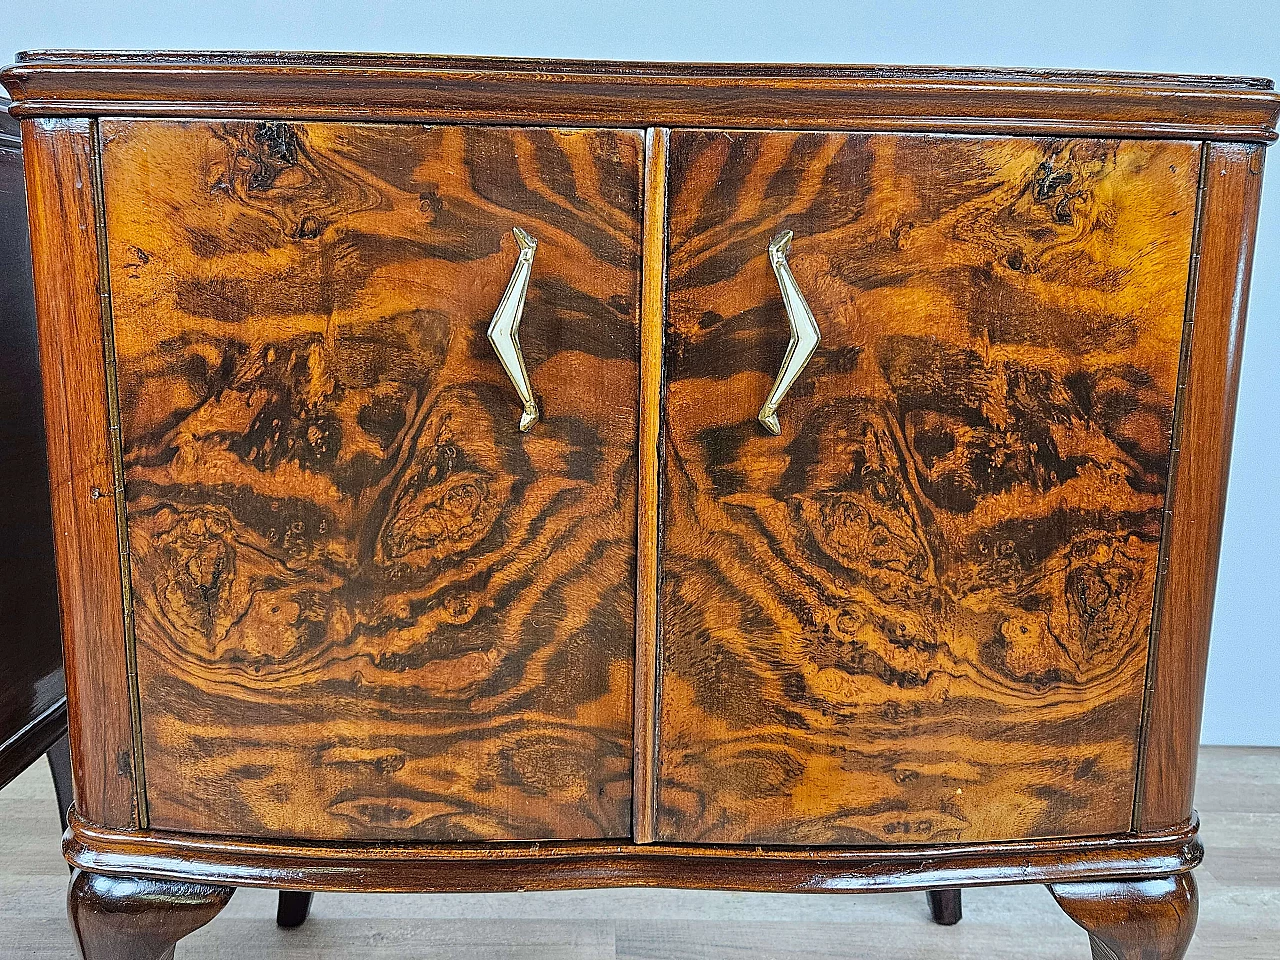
x=921 y=613
x=367 y=605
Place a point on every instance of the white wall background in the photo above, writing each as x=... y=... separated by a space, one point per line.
x=1182 y=36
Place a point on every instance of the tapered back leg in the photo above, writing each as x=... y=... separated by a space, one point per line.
x=944 y=907
x=292 y=908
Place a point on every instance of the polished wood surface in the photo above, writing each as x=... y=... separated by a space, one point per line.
x=1133 y=919
x=1215 y=324
x=366 y=605
x=484 y=90
x=60 y=170
x=904 y=645
x=920 y=614
x=33 y=704
x=577 y=865
x=122 y=918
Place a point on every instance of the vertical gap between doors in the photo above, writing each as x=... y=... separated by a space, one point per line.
x=648 y=500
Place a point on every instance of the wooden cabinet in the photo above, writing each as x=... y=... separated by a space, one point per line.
x=491 y=475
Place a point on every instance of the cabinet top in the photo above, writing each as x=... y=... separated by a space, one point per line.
x=578 y=92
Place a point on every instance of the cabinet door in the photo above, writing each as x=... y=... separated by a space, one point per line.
x=921 y=612
x=366 y=604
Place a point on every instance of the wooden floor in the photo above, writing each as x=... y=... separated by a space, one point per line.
x=1238 y=799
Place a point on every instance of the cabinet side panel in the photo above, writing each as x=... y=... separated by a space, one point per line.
x=59 y=163
x=1232 y=187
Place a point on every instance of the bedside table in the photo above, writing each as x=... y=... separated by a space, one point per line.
x=522 y=475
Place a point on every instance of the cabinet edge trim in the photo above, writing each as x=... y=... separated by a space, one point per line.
x=565 y=865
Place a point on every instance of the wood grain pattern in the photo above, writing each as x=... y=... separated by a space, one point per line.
x=577 y=865
x=367 y=606
x=922 y=613
x=59 y=160
x=902 y=646
x=592 y=93
x=1228 y=223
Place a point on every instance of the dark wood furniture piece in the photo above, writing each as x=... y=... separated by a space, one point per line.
x=843 y=515
x=33 y=701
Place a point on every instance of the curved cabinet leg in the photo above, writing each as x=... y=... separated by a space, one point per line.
x=127 y=918
x=1133 y=919
x=292 y=908
x=944 y=906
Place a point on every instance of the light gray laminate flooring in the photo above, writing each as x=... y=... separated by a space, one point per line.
x=1238 y=799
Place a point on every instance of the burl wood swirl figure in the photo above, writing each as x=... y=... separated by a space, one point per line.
x=922 y=612
x=366 y=605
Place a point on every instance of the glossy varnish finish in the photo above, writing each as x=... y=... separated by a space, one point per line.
x=59 y=159
x=1232 y=186
x=999 y=924
x=921 y=614
x=594 y=93
x=366 y=605
x=125 y=919
x=1133 y=919
x=579 y=865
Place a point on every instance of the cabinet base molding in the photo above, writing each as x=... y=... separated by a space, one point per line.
x=506 y=867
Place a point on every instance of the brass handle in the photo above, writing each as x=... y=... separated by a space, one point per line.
x=504 y=328
x=805 y=336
